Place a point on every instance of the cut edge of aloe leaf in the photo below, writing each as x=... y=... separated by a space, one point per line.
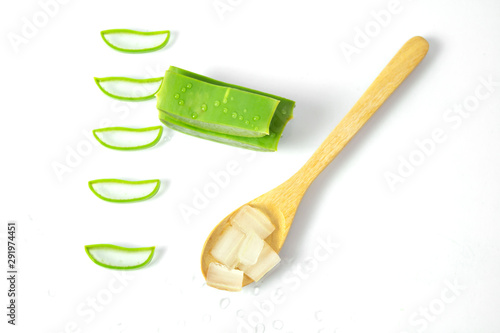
x=131 y=80
x=131 y=130
x=127 y=182
x=88 y=249
x=137 y=33
x=231 y=140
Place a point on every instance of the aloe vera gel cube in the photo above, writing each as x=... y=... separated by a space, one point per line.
x=226 y=249
x=251 y=220
x=216 y=108
x=222 y=277
x=268 y=258
x=250 y=249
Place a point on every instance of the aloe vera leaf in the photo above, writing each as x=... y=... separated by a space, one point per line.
x=128 y=138
x=214 y=107
x=118 y=257
x=266 y=143
x=282 y=115
x=129 y=89
x=132 y=41
x=122 y=191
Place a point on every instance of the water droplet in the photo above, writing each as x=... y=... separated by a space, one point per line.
x=240 y=117
x=232 y=98
x=203 y=107
x=256 y=291
x=207 y=318
x=247 y=122
x=224 y=110
x=183 y=89
x=319 y=315
x=194 y=115
x=240 y=313
x=260 y=328
x=181 y=102
x=283 y=111
x=272 y=134
x=245 y=110
x=224 y=101
x=189 y=86
x=278 y=324
x=256 y=118
x=176 y=96
x=234 y=115
x=224 y=303
x=256 y=128
x=217 y=103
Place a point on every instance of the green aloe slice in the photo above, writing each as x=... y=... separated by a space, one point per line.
x=118 y=257
x=123 y=138
x=132 y=41
x=118 y=190
x=129 y=89
x=214 y=107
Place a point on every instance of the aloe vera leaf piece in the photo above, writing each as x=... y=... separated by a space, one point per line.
x=135 y=138
x=129 y=89
x=118 y=257
x=133 y=41
x=121 y=191
x=214 y=107
x=266 y=143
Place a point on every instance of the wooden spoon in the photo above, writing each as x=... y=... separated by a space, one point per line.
x=281 y=203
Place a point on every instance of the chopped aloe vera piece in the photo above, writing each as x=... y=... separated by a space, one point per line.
x=249 y=219
x=129 y=89
x=225 y=250
x=214 y=107
x=282 y=115
x=132 y=41
x=250 y=249
x=268 y=258
x=123 y=138
x=118 y=190
x=266 y=143
x=118 y=257
x=221 y=277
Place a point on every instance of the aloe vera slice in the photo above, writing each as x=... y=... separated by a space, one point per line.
x=132 y=41
x=123 y=138
x=214 y=107
x=118 y=257
x=118 y=190
x=129 y=89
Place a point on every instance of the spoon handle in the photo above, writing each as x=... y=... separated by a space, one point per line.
x=403 y=63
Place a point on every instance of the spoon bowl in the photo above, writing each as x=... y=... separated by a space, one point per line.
x=281 y=203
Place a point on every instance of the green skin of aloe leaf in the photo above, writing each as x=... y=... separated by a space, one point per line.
x=283 y=113
x=214 y=107
x=88 y=248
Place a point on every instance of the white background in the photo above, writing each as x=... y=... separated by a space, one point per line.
x=423 y=256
